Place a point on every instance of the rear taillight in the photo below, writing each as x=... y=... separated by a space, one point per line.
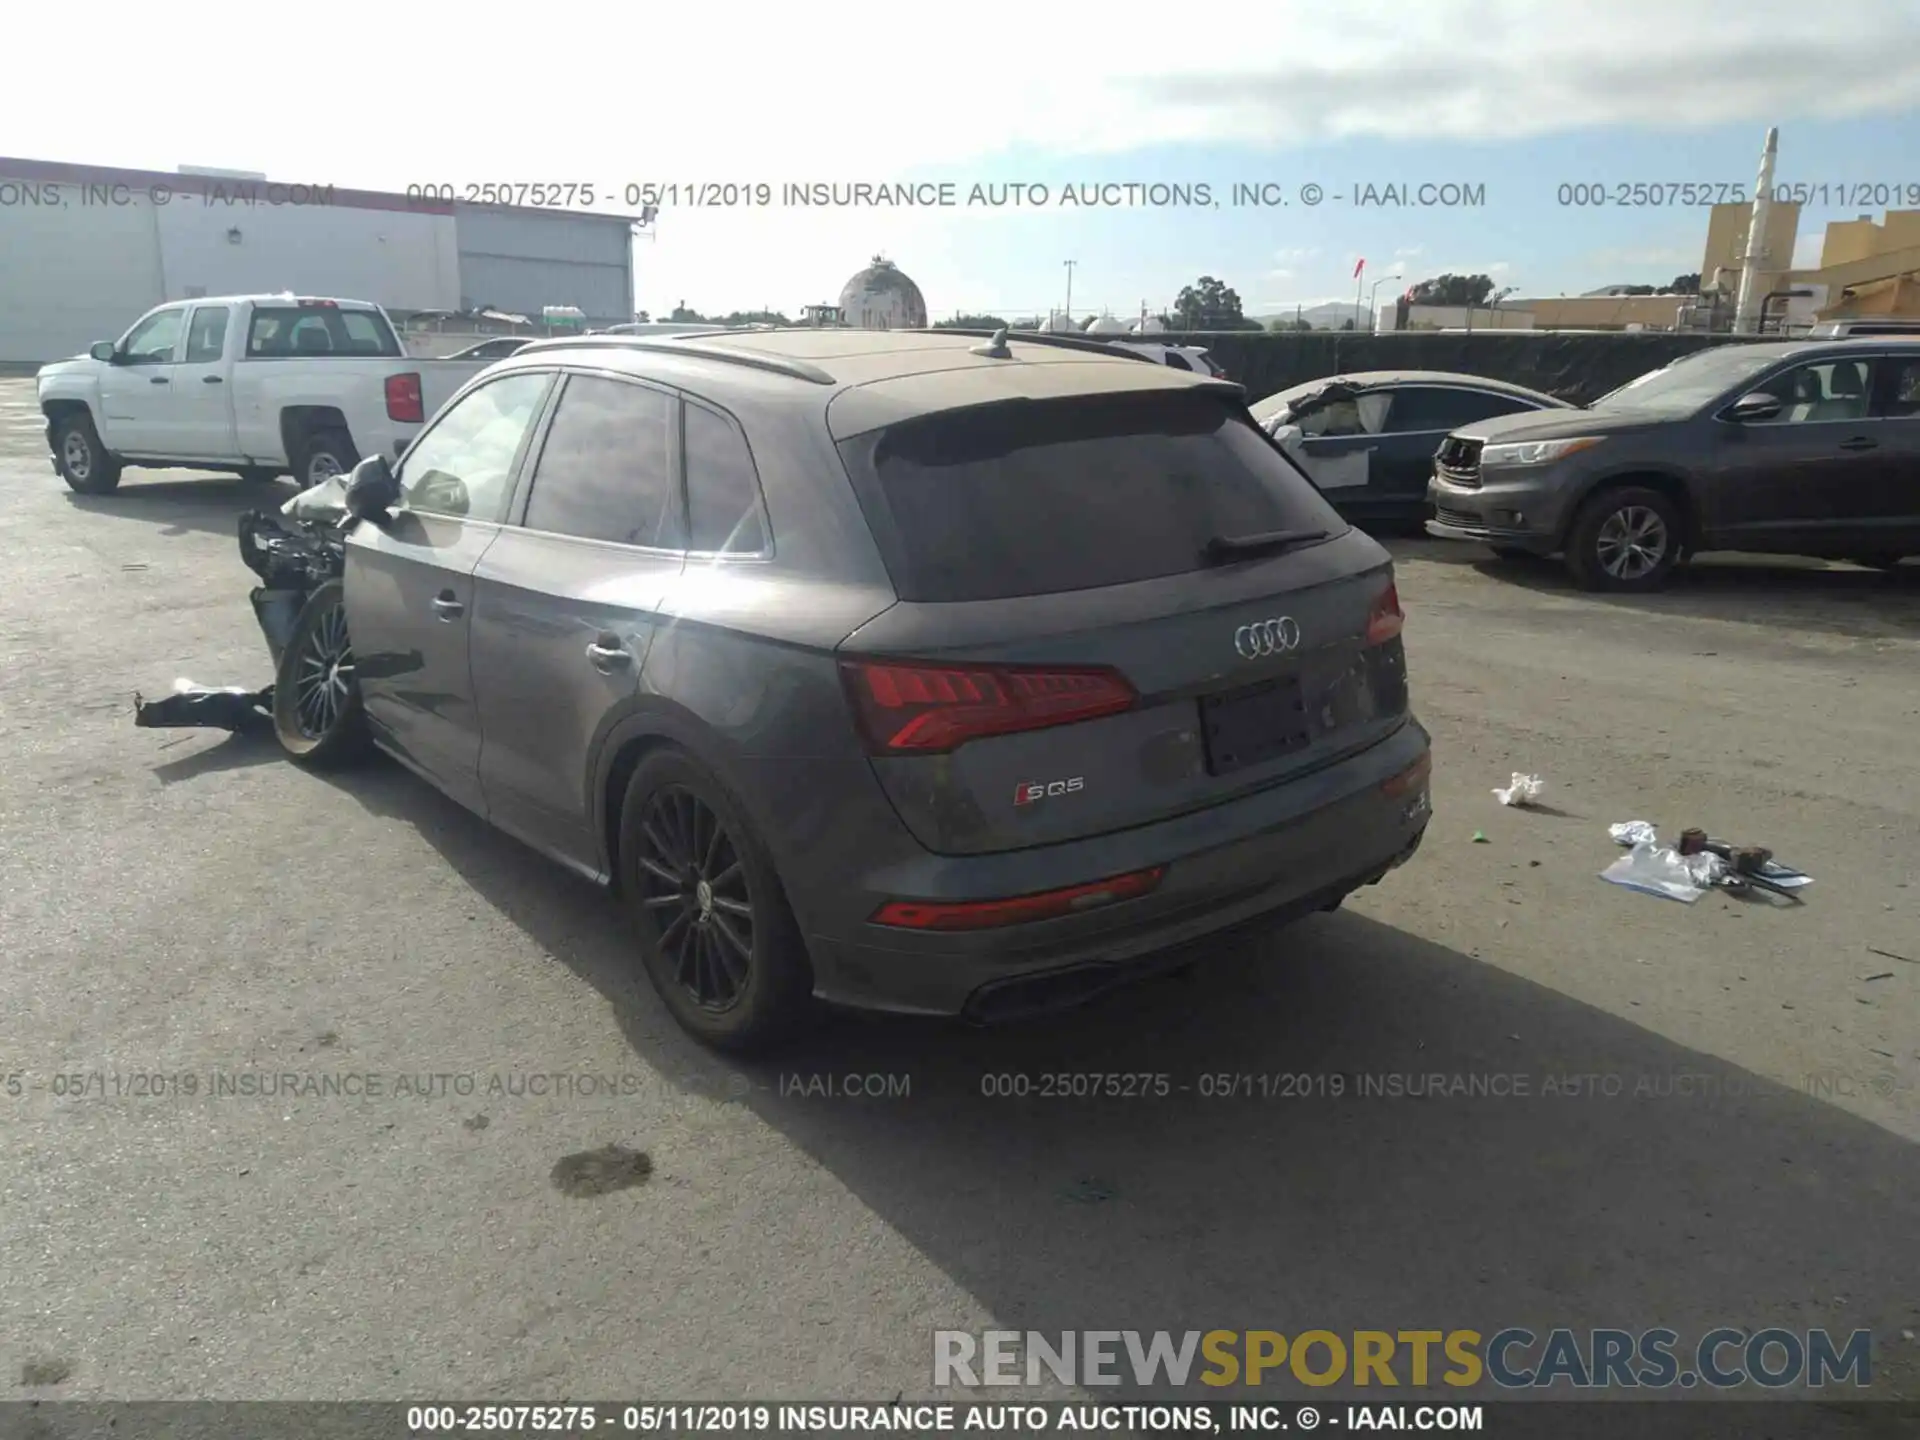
x=1411 y=779
x=919 y=709
x=1022 y=910
x=403 y=400
x=1386 y=619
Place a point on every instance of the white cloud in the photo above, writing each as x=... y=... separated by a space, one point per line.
x=658 y=112
x=1295 y=255
x=1279 y=274
x=1409 y=252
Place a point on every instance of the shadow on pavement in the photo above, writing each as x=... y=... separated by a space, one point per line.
x=1286 y=1159
x=236 y=751
x=1841 y=599
x=212 y=504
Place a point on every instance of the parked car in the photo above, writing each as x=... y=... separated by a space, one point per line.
x=1367 y=439
x=498 y=348
x=1181 y=357
x=1803 y=448
x=255 y=385
x=1876 y=325
x=812 y=643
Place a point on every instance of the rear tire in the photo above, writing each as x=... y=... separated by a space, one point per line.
x=325 y=454
x=1626 y=541
x=316 y=698
x=717 y=937
x=84 y=462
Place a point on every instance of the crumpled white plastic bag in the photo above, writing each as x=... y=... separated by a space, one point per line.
x=1521 y=790
x=1633 y=832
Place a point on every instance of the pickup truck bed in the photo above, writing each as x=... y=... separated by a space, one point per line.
x=259 y=386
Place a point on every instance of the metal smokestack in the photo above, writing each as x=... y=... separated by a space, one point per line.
x=1746 y=313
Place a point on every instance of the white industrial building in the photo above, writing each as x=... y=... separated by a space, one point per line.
x=85 y=250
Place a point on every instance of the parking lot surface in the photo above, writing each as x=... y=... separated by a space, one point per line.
x=1687 y=1116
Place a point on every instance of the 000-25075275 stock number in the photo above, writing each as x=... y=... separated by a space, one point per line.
x=584 y=194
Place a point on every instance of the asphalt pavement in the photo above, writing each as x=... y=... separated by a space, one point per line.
x=1685 y=1116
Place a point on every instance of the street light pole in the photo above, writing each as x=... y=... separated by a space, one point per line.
x=1070 y=264
x=1373 y=304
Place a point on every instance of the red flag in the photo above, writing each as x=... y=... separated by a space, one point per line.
x=1361 y=266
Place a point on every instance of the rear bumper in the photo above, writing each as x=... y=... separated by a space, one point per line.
x=1282 y=853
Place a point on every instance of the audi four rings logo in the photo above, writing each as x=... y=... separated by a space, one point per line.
x=1267 y=637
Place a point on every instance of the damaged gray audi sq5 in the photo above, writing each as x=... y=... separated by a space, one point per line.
x=902 y=670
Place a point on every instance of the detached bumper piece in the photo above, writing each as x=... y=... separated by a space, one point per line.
x=206 y=707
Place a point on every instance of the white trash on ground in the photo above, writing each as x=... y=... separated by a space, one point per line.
x=1656 y=869
x=1633 y=832
x=1521 y=790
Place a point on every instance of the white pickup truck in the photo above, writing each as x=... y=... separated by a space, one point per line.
x=255 y=385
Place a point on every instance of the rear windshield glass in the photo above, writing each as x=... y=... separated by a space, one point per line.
x=1040 y=497
x=278 y=332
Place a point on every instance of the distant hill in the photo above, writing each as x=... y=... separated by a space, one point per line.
x=1330 y=316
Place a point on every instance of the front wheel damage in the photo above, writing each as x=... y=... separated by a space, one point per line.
x=299 y=556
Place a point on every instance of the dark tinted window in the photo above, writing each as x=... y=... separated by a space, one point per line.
x=282 y=330
x=606 y=470
x=1177 y=360
x=723 y=493
x=1037 y=498
x=1903 y=387
x=1434 y=407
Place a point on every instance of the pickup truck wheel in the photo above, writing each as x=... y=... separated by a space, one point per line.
x=316 y=697
x=84 y=462
x=1625 y=540
x=326 y=454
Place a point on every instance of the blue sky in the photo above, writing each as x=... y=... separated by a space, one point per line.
x=1512 y=94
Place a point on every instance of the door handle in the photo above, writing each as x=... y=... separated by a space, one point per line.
x=1860 y=442
x=447 y=607
x=211 y=380
x=156 y=380
x=607 y=653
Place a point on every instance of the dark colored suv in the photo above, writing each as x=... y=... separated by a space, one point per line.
x=1788 y=448
x=893 y=669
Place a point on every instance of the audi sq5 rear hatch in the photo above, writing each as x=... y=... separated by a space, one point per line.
x=1114 y=609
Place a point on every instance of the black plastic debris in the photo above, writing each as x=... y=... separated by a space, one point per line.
x=193 y=706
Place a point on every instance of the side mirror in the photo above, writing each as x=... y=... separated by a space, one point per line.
x=1757 y=406
x=372 y=490
x=103 y=351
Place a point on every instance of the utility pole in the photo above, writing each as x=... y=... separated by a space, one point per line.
x=1070 y=264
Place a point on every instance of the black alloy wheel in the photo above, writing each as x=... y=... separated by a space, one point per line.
x=693 y=882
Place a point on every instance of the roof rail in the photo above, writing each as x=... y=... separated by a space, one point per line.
x=1034 y=337
x=677 y=345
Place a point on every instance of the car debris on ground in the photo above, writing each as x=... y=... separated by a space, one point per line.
x=293 y=552
x=1696 y=863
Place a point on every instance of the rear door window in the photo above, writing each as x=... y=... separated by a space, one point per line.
x=606 y=470
x=1037 y=498
x=1419 y=408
